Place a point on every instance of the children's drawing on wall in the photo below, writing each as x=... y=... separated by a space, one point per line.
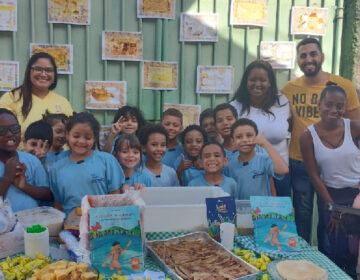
x=9 y=75
x=105 y=95
x=249 y=12
x=309 y=21
x=118 y=45
x=8 y=15
x=280 y=54
x=160 y=75
x=197 y=27
x=156 y=9
x=69 y=11
x=214 y=79
x=63 y=55
x=190 y=113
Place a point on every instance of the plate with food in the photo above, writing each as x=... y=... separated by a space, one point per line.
x=296 y=270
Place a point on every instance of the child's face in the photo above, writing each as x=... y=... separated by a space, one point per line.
x=59 y=135
x=155 y=147
x=172 y=126
x=224 y=120
x=81 y=139
x=128 y=157
x=244 y=137
x=9 y=133
x=213 y=159
x=37 y=147
x=193 y=142
x=129 y=124
x=208 y=124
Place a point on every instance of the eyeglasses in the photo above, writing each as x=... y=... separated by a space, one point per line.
x=39 y=69
x=14 y=129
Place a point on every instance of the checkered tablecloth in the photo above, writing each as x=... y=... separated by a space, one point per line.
x=307 y=252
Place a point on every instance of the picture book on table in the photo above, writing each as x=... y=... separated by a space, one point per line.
x=116 y=242
x=220 y=210
x=274 y=223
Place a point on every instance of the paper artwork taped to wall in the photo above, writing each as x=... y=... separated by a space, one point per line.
x=160 y=75
x=190 y=113
x=214 y=79
x=249 y=12
x=105 y=95
x=280 y=54
x=199 y=27
x=117 y=45
x=62 y=54
x=69 y=11
x=156 y=9
x=8 y=15
x=9 y=75
x=309 y=21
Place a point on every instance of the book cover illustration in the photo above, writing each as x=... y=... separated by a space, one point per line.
x=220 y=210
x=116 y=242
x=274 y=223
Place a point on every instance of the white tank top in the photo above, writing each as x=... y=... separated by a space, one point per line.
x=339 y=168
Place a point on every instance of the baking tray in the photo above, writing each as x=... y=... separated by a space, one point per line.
x=206 y=237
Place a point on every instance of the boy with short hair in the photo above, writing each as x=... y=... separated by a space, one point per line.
x=252 y=171
x=207 y=123
x=38 y=138
x=172 y=121
x=212 y=160
x=225 y=116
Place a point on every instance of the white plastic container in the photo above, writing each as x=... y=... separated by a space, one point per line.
x=227 y=232
x=37 y=243
x=177 y=208
x=49 y=217
x=244 y=221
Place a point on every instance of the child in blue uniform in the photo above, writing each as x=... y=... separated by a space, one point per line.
x=252 y=171
x=213 y=159
x=23 y=179
x=188 y=165
x=57 y=123
x=38 y=138
x=225 y=116
x=207 y=123
x=153 y=139
x=172 y=120
x=127 y=120
x=85 y=171
x=128 y=153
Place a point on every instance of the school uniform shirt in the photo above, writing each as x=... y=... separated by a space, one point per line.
x=167 y=177
x=190 y=173
x=253 y=177
x=98 y=174
x=171 y=155
x=35 y=175
x=231 y=154
x=52 y=157
x=139 y=177
x=227 y=184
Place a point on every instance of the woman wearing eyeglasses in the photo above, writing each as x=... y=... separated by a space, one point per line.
x=30 y=100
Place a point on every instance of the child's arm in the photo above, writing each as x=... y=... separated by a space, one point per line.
x=307 y=152
x=272 y=187
x=280 y=166
x=10 y=173
x=284 y=227
x=116 y=191
x=58 y=205
x=115 y=130
x=127 y=246
x=184 y=164
x=267 y=236
x=41 y=193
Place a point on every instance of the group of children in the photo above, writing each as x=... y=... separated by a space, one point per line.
x=222 y=152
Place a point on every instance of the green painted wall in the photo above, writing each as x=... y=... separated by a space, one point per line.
x=350 y=67
x=237 y=46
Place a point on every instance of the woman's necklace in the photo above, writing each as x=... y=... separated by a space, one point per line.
x=334 y=146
